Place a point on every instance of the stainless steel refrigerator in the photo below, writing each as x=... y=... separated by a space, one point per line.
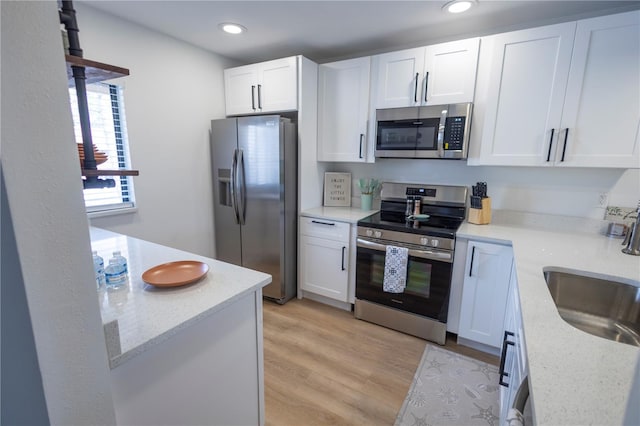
x=255 y=197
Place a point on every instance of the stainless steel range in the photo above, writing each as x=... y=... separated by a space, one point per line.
x=423 y=219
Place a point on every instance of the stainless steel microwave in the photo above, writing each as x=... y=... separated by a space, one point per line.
x=437 y=131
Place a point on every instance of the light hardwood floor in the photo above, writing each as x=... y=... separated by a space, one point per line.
x=324 y=367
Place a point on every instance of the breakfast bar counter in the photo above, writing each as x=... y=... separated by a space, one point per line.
x=188 y=354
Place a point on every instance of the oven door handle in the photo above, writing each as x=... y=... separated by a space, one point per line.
x=444 y=256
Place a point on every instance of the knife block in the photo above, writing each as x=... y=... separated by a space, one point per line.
x=481 y=216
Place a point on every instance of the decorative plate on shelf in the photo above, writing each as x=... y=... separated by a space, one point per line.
x=174 y=274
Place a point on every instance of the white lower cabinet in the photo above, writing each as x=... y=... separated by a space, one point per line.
x=324 y=258
x=484 y=292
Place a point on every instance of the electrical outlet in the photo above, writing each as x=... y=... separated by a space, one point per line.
x=603 y=199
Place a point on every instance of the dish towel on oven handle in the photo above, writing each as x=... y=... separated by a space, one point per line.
x=395 y=269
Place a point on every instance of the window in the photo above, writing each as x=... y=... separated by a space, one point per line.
x=109 y=134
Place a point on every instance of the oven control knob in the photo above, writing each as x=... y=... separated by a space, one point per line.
x=424 y=241
x=377 y=234
x=369 y=232
x=434 y=243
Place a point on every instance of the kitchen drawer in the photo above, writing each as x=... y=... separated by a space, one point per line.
x=325 y=228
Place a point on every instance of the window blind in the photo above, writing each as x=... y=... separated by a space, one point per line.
x=108 y=131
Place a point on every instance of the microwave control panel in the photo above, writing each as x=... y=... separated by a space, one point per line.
x=454 y=133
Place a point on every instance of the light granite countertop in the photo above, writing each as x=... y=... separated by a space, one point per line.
x=575 y=378
x=146 y=315
x=341 y=214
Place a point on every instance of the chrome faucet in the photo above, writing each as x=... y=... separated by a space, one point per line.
x=632 y=239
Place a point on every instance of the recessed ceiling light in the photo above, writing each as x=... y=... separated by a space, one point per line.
x=231 y=28
x=458 y=6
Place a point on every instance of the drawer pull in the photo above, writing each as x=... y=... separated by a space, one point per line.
x=319 y=222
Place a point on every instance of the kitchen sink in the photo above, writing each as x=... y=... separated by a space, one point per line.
x=603 y=307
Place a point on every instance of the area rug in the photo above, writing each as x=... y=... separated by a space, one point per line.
x=451 y=389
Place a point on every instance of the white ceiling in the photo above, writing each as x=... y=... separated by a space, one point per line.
x=329 y=30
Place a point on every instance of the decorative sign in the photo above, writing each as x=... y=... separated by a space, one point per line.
x=337 y=189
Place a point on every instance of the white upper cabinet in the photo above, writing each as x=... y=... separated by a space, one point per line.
x=527 y=81
x=439 y=74
x=602 y=106
x=397 y=78
x=343 y=108
x=264 y=87
x=561 y=95
x=240 y=89
x=450 y=72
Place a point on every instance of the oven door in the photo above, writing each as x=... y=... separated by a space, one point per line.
x=428 y=279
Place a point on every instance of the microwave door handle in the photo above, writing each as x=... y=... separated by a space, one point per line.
x=441 y=126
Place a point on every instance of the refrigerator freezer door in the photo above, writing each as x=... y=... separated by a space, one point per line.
x=260 y=198
x=224 y=143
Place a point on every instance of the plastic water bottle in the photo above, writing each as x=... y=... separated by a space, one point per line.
x=122 y=260
x=98 y=268
x=115 y=275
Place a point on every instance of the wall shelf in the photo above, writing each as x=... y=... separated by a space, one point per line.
x=95 y=173
x=94 y=71
x=80 y=72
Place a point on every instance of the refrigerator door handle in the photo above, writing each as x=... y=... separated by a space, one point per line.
x=234 y=186
x=242 y=193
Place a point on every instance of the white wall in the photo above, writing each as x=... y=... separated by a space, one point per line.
x=44 y=196
x=626 y=192
x=566 y=192
x=173 y=91
x=21 y=377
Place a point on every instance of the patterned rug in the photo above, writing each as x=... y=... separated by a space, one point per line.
x=451 y=389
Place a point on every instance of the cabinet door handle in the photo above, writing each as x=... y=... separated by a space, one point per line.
x=323 y=223
x=473 y=252
x=253 y=97
x=415 y=91
x=343 y=250
x=564 y=147
x=259 y=96
x=361 y=139
x=550 y=145
x=426 y=85
x=503 y=357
